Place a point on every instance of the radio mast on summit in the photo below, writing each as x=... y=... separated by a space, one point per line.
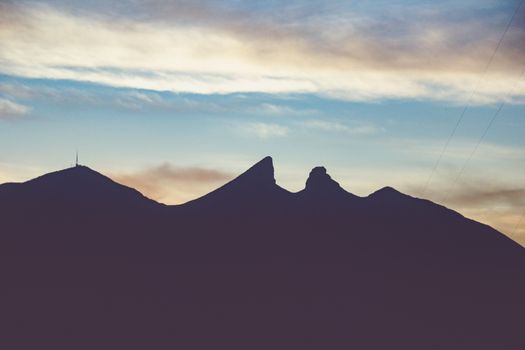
x=76 y=160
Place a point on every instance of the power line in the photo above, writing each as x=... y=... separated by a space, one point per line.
x=474 y=150
x=481 y=138
x=467 y=106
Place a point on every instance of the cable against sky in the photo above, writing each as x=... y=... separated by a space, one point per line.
x=469 y=100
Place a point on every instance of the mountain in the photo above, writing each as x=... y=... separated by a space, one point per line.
x=78 y=186
x=75 y=207
x=88 y=263
x=320 y=185
x=254 y=189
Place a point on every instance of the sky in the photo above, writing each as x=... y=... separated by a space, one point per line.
x=175 y=98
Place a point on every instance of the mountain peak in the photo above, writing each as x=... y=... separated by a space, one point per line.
x=255 y=187
x=260 y=173
x=78 y=186
x=319 y=180
x=71 y=176
x=387 y=192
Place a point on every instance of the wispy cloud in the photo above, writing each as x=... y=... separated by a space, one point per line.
x=205 y=48
x=126 y=99
x=478 y=192
x=336 y=126
x=489 y=200
x=172 y=184
x=137 y=100
x=281 y=110
x=263 y=130
x=12 y=110
x=483 y=196
x=82 y=95
x=458 y=150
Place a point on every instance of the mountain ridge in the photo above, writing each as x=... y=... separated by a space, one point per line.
x=80 y=185
x=258 y=176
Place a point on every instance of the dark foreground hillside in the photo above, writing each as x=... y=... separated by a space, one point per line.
x=87 y=263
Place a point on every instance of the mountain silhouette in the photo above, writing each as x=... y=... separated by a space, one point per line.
x=320 y=183
x=255 y=188
x=78 y=186
x=89 y=263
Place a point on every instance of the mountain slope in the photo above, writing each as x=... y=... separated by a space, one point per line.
x=77 y=186
x=320 y=185
x=255 y=189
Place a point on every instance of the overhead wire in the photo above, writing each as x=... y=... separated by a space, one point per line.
x=480 y=140
x=469 y=100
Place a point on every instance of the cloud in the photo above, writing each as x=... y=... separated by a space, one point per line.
x=68 y=95
x=480 y=193
x=15 y=90
x=335 y=126
x=127 y=99
x=138 y=100
x=11 y=110
x=81 y=96
x=486 y=200
x=172 y=184
x=459 y=150
x=505 y=196
x=264 y=130
x=280 y=110
x=208 y=48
